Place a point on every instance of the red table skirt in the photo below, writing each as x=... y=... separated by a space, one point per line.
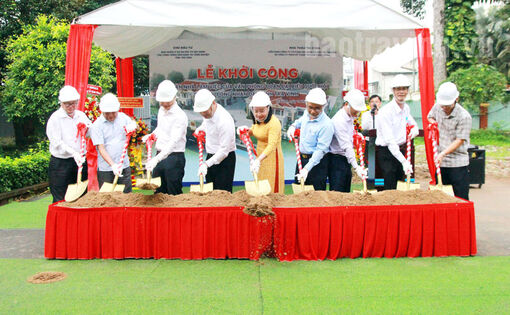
x=184 y=233
x=375 y=231
x=295 y=233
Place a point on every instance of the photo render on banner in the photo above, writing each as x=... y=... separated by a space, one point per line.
x=233 y=70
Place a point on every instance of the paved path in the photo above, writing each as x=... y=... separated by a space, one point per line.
x=492 y=215
x=492 y=212
x=22 y=243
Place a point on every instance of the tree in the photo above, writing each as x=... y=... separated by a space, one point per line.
x=493 y=29
x=14 y=14
x=414 y=7
x=305 y=77
x=322 y=78
x=479 y=84
x=36 y=72
x=141 y=74
x=156 y=79
x=459 y=35
x=176 y=77
x=192 y=74
x=439 y=45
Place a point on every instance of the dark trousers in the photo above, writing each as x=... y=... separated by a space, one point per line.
x=108 y=177
x=171 y=171
x=62 y=173
x=222 y=175
x=317 y=175
x=339 y=173
x=390 y=166
x=458 y=177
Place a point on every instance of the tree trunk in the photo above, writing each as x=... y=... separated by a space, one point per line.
x=27 y=131
x=439 y=47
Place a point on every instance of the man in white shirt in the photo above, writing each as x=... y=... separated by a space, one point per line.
x=108 y=134
x=391 y=126
x=341 y=155
x=65 y=145
x=170 y=135
x=368 y=118
x=220 y=142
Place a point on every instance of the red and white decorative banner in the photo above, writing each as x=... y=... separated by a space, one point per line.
x=94 y=89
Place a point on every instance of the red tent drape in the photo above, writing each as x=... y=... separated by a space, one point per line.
x=125 y=81
x=79 y=47
x=361 y=75
x=426 y=77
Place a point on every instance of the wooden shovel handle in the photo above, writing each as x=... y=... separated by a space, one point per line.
x=202 y=182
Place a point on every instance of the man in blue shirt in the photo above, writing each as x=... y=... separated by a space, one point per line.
x=315 y=137
x=108 y=134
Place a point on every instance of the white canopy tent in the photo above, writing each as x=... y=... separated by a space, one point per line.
x=359 y=28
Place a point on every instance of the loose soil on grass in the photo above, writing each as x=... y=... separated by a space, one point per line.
x=47 y=277
x=260 y=206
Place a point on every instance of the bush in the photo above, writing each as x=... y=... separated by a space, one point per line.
x=479 y=84
x=30 y=168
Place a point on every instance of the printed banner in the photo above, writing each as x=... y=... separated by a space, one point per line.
x=233 y=70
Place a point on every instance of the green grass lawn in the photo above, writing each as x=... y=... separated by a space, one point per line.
x=403 y=285
x=420 y=285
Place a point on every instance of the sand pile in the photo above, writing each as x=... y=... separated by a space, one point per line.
x=260 y=206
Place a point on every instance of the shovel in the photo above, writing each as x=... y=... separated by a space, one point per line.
x=405 y=186
x=298 y=188
x=74 y=191
x=359 y=142
x=107 y=187
x=447 y=189
x=156 y=181
x=256 y=187
x=202 y=188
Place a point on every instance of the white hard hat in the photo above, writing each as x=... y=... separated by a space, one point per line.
x=316 y=96
x=203 y=100
x=447 y=94
x=400 y=80
x=109 y=103
x=356 y=100
x=166 y=91
x=68 y=93
x=260 y=99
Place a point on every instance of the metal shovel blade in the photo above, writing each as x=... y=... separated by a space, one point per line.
x=140 y=182
x=74 y=191
x=407 y=185
x=299 y=188
x=365 y=190
x=201 y=188
x=447 y=189
x=257 y=188
x=111 y=187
